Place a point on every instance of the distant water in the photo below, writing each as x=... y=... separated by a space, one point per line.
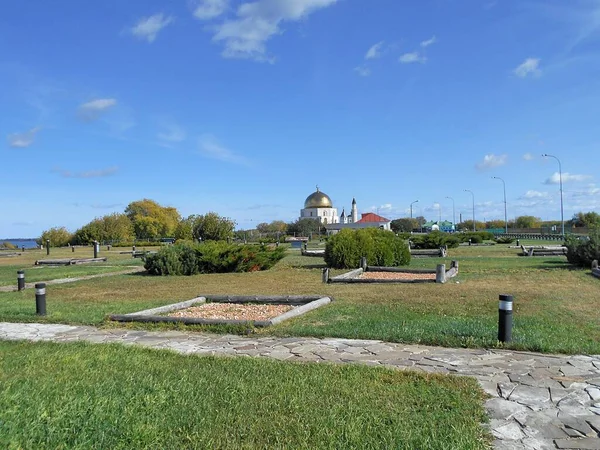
x=27 y=243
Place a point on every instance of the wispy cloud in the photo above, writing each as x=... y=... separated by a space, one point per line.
x=491 y=160
x=209 y=9
x=375 y=51
x=528 y=157
x=429 y=42
x=23 y=140
x=211 y=148
x=534 y=194
x=528 y=67
x=172 y=134
x=99 y=173
x=92 y=110
x=148 y=28
x=246 y=35
x=566 y=178
x=363 y=71
x=413 y=57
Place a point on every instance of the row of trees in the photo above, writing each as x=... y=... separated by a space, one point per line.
x=144 y=220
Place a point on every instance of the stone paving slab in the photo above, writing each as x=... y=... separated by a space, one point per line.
x=536 y=401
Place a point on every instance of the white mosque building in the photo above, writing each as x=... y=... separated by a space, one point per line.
x=319 y=206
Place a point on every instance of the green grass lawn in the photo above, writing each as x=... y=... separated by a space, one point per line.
x=9 y=266
x=556 y=306
x=110 y=396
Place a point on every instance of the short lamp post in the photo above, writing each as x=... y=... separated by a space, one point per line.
x=472 y=195
x=505 y=216
x=562 y=216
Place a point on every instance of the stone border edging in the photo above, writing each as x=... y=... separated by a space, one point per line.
x=354 y=275
x=303 y=305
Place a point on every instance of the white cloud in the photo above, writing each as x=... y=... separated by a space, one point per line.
x=212 y=149
x=414 y=57
x=99 y=173
x=255 y=23
x=529 y=67
x=22 y=140
x=172 y=134
x=429 y=42
x=93 y=109
x=566 y=178
x=534 y=194
x=209 y=9
x=491 y=160
x=362 y=71
x=528 y=156
x=148 y=27
x=375 y=51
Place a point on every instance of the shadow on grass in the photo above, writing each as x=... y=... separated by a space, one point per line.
x=309 y=266
x=548 y=264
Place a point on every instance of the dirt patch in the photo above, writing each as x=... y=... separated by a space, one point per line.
x=229 y=311
x=396 y=276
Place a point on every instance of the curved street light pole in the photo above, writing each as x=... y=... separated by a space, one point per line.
x=562 y=217
x=416 y=201
x=453 y=213
x=505 y=216
x=473 y=195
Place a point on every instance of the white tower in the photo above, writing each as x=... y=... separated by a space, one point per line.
x=354 y=212
x=343 y=218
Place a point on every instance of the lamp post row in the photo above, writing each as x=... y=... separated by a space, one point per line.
x=562 y=217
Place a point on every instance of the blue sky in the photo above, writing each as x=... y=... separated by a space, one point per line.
x=243 y=107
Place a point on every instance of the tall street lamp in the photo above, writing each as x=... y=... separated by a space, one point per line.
x=562 y=216
x=473 y=195
x=453 y=213
x=416 y=201
x=505 y=216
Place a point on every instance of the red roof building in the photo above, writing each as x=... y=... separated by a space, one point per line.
x=372 y=217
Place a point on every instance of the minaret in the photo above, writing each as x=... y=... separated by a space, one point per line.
x=354 y=211
x=343 y=216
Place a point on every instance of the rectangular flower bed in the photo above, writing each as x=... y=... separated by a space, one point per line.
x=258 y=311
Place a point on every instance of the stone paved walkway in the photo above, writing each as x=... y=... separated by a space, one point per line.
x=73 y=279
x=537 y=401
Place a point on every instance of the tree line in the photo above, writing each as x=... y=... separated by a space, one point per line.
x=143 y=220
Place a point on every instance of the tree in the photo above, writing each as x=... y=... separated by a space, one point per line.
x=467 y=225
x=185 y=229
x=110 y=228
x=493 y=224
x=404 y=225
x=527 y=222
x=589 y=220
x=304 y=227
x=151 y=220
x=58 y=236
x=212 y=227
x=276 y=226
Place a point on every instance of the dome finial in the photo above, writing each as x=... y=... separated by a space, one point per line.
x=317 y=188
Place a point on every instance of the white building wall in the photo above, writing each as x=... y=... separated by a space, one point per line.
x=324 y=215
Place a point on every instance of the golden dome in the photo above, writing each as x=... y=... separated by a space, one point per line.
x=318 y=199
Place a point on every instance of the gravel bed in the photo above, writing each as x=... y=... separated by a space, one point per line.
x=230 y=311
x=397 y=276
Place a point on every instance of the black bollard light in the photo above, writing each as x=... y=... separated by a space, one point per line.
x=96 y=249
x=72 y=249
x=505 y=318
x=20 y=280
x=47 y=246
x=40 y=299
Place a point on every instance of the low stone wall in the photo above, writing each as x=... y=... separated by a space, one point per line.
x=441 y=252
x=67 y=262
x=543 y=251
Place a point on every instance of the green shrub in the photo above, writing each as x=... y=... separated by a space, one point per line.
x=435 y=239
x=581 y=251
x=505 y=240
x=188 y=258
x=381 y=248
x=8 y=245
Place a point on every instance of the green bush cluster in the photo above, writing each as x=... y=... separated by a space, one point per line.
x=435 y=239
x=505 y=240
x=188 y=258
x=581 y=251
x=381 y=248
